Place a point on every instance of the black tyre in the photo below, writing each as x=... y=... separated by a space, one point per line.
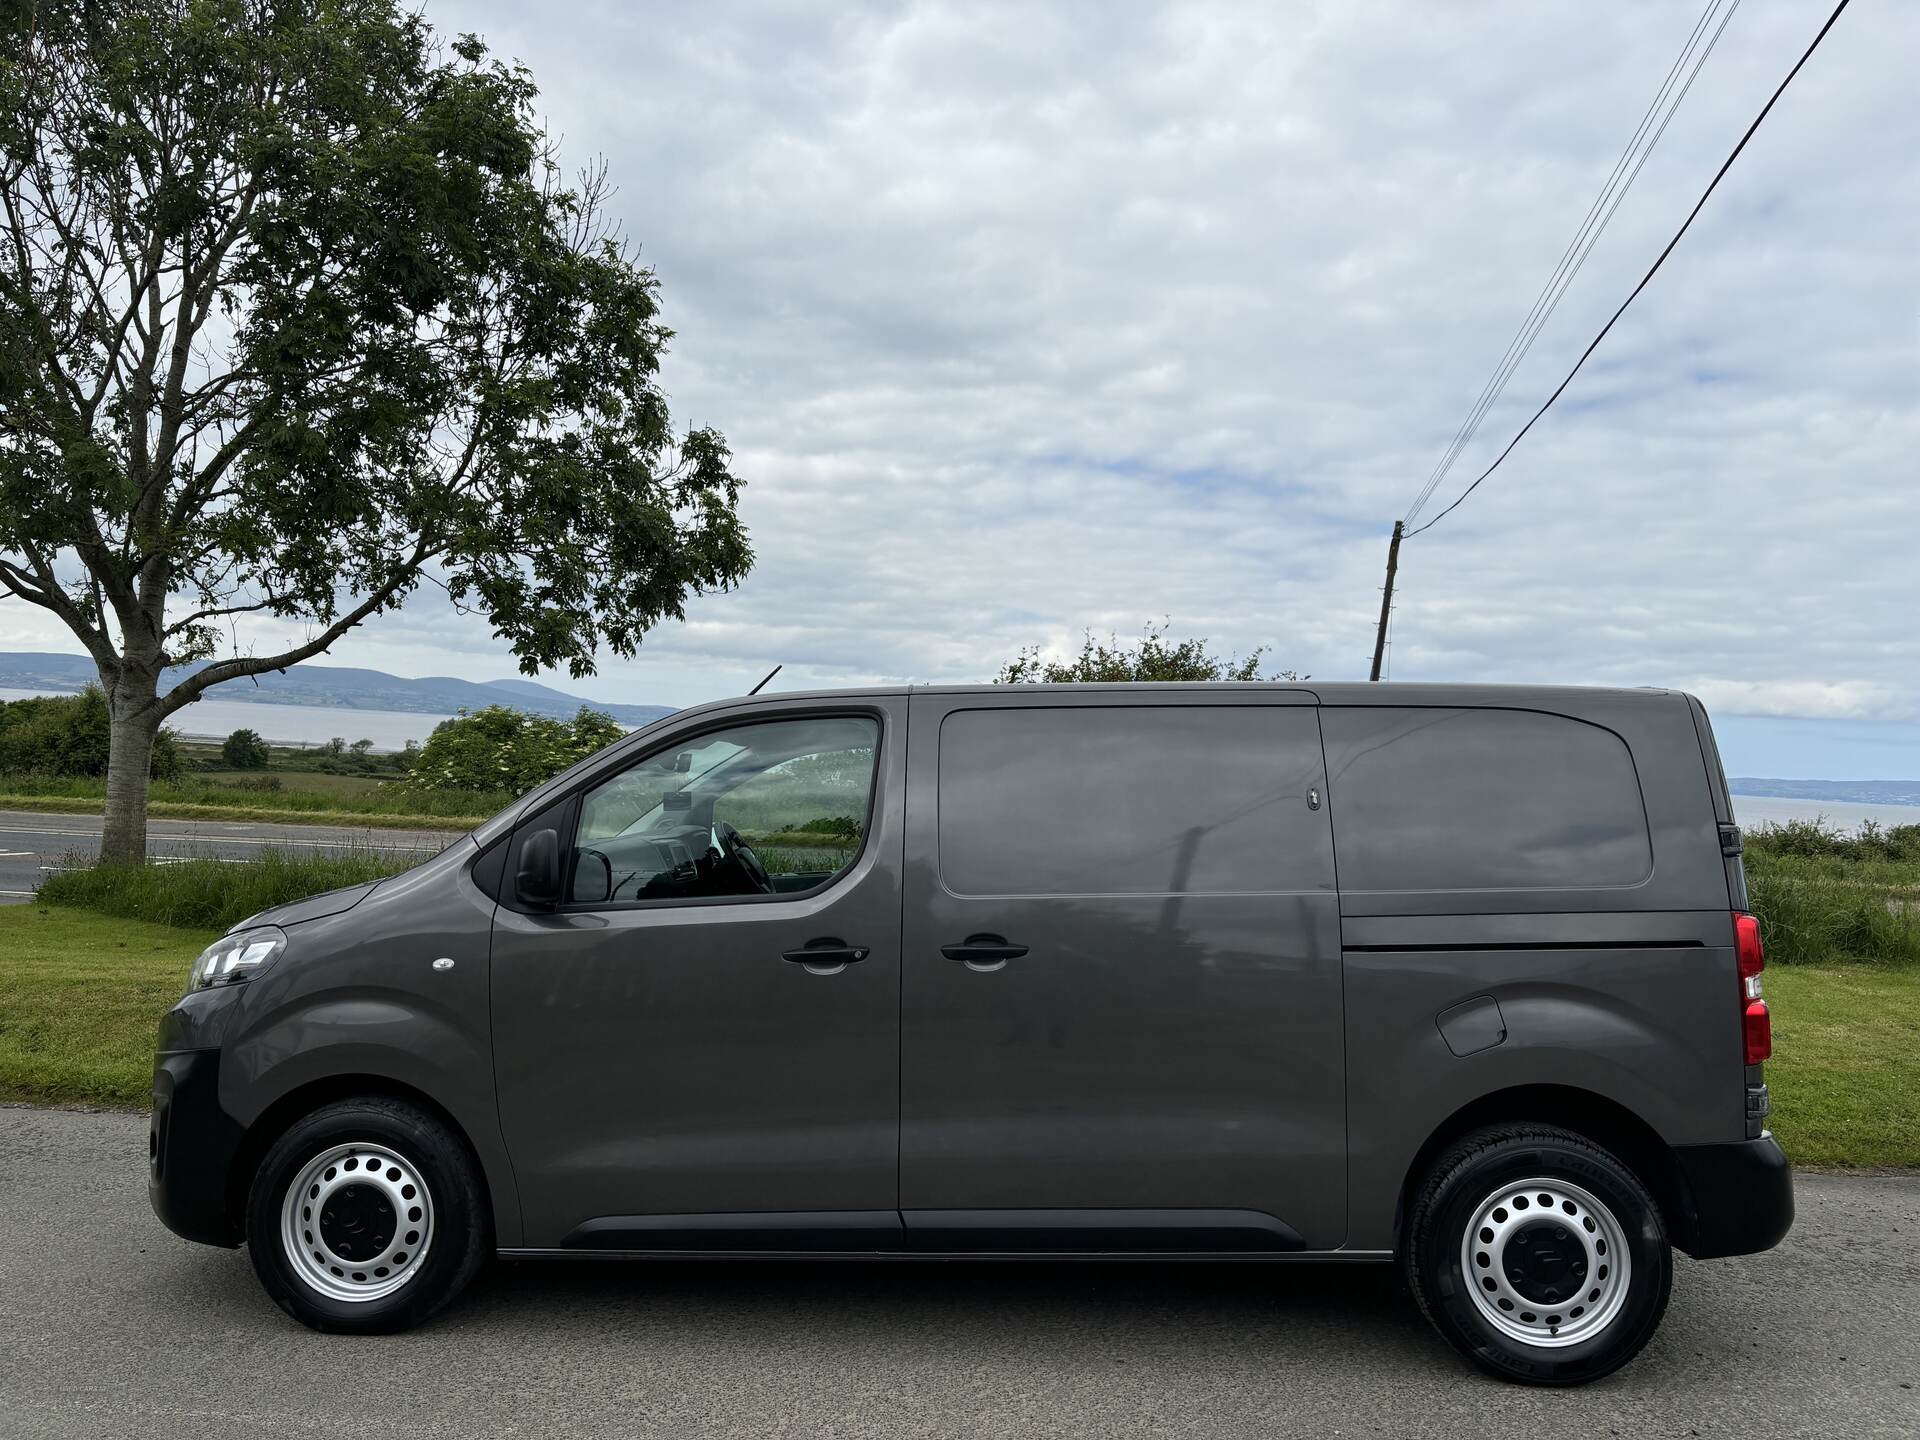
x=366 y=1217
x=1539 y=1255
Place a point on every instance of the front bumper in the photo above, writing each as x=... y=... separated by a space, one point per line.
x=1739 y=1197
x=191 y=1144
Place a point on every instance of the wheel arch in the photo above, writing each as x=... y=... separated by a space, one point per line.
x=1606 y=1122
x=281 y=1115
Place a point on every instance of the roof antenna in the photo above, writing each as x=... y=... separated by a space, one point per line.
x=763 y=684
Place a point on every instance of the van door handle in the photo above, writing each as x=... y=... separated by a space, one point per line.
x=983 y=950
x=827 y=952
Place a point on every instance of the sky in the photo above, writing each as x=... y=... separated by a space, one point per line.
x=1032 y=318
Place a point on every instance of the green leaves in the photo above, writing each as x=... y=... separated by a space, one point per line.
x=1149 y=658
x=68 y=735
x=500 y=748
x=296 y=308
x=244 y=750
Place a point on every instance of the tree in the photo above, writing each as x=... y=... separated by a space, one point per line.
x=297 y=311
x=1148 y=658
x=245 y=750
x=500 y=748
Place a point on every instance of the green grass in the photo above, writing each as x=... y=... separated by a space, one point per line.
x=303 y=798
x=1845 y=1075
x=281 y=782
x=793 y=852
x=80 y=996
x=213 y=892
x=171 y=810
x=1817 y=910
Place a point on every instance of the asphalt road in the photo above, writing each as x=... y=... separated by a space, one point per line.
x=113 y=1327
x=30 y=844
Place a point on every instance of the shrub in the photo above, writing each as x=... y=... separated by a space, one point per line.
x=67 y=735
x=1811 y=839
x=1149 y=658
x=244 y=750
x=500 y=748
x=1896 y=842
x=843 y=827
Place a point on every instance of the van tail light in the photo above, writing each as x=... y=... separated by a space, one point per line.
x=1746 y=940
x=1756 y=1023
x=1758 y=1028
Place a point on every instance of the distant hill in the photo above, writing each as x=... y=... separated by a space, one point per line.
x=337 y=687
x=1854 y=792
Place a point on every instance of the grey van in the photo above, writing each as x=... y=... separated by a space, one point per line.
x=1456 y=977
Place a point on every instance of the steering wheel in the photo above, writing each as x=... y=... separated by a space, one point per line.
x=582 y=853
x=735 y=851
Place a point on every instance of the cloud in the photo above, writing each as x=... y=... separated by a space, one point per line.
x=1023 y=318
x=1811 y=699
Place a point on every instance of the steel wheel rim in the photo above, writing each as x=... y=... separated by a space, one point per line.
x=356 y=1222
x=1546 y=1263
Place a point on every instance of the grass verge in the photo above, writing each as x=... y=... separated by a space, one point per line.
x=81 y=992
x=1846 y=1070
x=80 y=995
x=198 y=893
x=176 y=810
x=318 y=799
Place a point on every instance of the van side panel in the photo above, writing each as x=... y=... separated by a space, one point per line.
x=1647 y=1024
x=1591 y=967
x=1166 y=1041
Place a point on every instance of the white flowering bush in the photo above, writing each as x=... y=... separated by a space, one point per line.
x=500 y=748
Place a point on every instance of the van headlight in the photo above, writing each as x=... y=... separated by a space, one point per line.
x=237 y=957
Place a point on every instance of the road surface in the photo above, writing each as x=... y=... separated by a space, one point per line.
x=30 y=844
x=114 y=1327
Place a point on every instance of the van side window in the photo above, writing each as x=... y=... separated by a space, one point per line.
x=1451 y=799
x=778 y=807
x=1132 y=800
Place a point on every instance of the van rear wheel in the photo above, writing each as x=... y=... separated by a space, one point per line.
x=366 y=1217
x=1539 y=1255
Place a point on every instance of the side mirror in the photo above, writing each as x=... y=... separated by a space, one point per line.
x=537 y=881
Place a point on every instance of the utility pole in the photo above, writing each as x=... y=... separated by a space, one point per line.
x=1386 y=598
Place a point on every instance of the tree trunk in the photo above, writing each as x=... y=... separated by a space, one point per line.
x=135 y=720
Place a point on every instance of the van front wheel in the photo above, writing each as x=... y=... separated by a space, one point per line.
x=1538 y=1255
x=366 y=1216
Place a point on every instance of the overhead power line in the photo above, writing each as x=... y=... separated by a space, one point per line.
x=1700 y=204
x=1574 y=258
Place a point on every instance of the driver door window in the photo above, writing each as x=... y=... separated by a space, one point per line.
x=778 y=807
